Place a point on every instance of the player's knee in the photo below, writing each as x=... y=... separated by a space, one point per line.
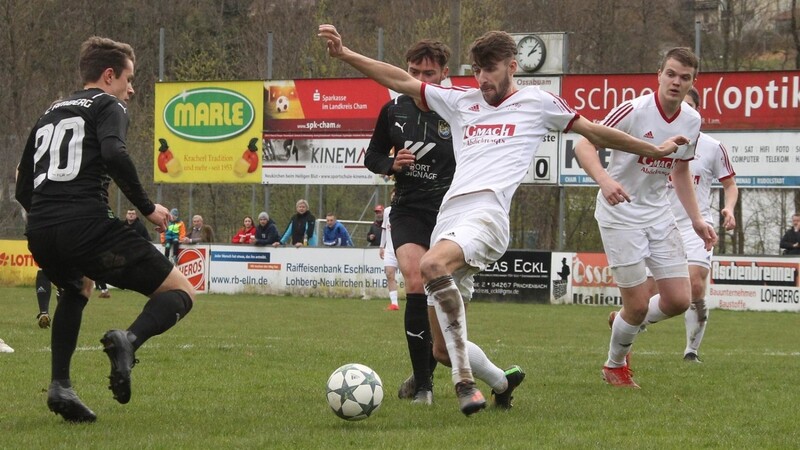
x=430 y=268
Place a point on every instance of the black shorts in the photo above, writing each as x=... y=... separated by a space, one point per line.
x=102 y=249
x=411 y=226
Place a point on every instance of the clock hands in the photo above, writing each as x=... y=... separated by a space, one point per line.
x=534 y=49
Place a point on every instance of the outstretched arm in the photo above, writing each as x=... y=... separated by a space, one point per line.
x=607 y=137
x=388 y=75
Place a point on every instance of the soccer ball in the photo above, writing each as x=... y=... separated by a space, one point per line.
x=282 y=104
x=354 y=391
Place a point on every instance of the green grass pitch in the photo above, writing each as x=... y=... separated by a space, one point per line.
x=248 y=371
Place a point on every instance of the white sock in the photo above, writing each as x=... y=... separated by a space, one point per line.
x=450 y=312
x=393 y=297
x=654 y=313
x=695 y=325
x=622 y=336
x=485 y=370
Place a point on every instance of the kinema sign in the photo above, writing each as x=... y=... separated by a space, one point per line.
x=208 y=114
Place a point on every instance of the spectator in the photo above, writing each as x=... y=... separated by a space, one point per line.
x=790 y=242
x=376 y=229
x=266 y=230
x=173 y=235
x=132 y=220
x=335 y=234
x=200 y=233
x=246 y=234
x=301 y=227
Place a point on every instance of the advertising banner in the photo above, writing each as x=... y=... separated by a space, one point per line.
x=289 y=159
x=760 y=160
x=208 y=132
x=17 y=266
x=310 y=271
x=518 y=276
x=754 y=283
x=729 y=100
x=592 y=281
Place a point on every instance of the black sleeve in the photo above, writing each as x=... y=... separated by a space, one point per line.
x=24 y=187
x=311 y=224
x=377 y=158
x=786 y=241
x=121 y=168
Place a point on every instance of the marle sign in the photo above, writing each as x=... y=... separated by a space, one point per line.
x=208 y=114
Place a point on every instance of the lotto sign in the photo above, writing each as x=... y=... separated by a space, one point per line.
x=193 y=263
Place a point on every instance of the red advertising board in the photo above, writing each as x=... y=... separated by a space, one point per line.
x=328 y=106
x=730 y=100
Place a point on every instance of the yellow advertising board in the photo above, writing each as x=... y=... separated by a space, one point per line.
x=17 y=267
x=208 y=132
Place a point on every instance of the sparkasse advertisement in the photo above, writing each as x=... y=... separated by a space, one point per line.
x=208 y=132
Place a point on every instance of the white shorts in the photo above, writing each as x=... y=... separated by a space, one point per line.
x=660 y=246
x=696 y=252
x=479 y=225
x=389 y=258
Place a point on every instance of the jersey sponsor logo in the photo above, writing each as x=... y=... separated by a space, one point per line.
x=400 y=126
x=444 y=130
x=655 y=163
x=648 y=135
x=420 y=149
x=208 y=114
x=491 y=130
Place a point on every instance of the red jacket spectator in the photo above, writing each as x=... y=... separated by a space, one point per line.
x=246 y=234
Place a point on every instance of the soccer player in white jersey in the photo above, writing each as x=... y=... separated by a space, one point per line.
x=710 y=162
x=633 y=212
x=496 y=131
x=389 y=258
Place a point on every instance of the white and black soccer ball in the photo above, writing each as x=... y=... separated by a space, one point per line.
x=354 y=391
x=282 y=104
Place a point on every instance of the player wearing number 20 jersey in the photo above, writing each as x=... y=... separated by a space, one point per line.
x=63 y=176
x=73 y=152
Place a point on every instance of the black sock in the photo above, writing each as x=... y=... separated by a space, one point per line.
x=64 y=337
x=418 y=337
x=159 y=314
x=43 y=291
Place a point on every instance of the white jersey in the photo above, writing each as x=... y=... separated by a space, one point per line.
x=710 y=162
x=643 y=178
x=386 y=235
x=495 y=145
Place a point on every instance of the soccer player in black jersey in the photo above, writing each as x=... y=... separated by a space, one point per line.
x=423 y=166
x=76 y=147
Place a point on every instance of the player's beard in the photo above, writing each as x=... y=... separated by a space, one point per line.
x=500 y=92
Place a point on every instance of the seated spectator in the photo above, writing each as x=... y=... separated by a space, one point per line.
x=173 y=235
x=335 y=234
x=200 y=233
x=246 y=234
x=132 y=220
x=266 y=230
x=300 y=230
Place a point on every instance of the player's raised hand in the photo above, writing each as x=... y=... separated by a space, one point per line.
x=160 y=216
x=613 y=192
x=334 y=40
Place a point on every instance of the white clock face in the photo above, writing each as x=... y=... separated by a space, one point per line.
x=531 y=53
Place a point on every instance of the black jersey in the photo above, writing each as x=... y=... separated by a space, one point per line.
x=402 y=125
x=77 y=145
